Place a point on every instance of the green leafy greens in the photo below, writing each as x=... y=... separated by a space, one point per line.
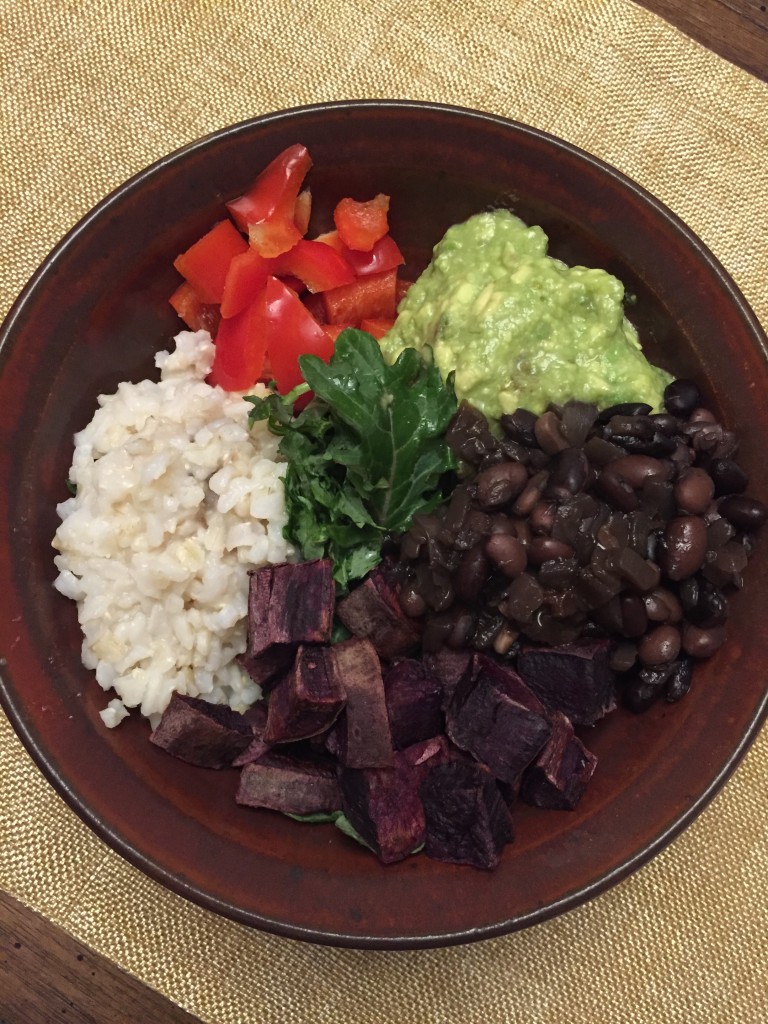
x=365 y=454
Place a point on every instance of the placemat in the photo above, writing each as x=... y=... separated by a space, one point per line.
x=90 y=92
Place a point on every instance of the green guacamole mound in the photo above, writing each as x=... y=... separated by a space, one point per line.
x=520 y=328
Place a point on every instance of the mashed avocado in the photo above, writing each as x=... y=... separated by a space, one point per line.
x=519 y=327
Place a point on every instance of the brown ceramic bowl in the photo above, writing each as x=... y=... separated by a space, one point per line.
x=95 y=313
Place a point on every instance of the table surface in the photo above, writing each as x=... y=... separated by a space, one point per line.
x=46 y=974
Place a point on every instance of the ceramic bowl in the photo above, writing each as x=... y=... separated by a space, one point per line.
x=95 y=313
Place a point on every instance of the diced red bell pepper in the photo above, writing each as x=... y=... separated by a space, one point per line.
x=266 y=211
x=293 y=332
x=401 y=289
x=245 y=279
x=332 y=238
x=197 y=315
x=361 y=225
x=319 y=266
x=302 y=211
x=378 y=328
x=385 y=255
x=334 y=330
x=367 y=298
x=205 y=264
x=241 y=344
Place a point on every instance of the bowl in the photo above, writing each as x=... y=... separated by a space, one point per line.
x=95 y=313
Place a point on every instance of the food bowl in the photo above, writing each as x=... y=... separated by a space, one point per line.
x=96 y=312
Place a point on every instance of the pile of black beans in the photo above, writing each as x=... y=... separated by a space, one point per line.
x=580 y=523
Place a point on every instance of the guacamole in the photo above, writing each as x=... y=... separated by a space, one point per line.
x=520 y=328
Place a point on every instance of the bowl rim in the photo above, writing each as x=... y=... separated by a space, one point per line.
x=14 y=709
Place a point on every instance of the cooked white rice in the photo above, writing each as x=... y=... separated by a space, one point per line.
x=176 y=500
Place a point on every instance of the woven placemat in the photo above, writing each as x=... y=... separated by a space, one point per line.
x=90 y=92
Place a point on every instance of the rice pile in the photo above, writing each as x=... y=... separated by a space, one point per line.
x=176 y=499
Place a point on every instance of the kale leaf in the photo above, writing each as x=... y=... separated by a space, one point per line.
x=365 y=454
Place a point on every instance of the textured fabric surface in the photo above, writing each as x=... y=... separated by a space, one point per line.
x=92 y=91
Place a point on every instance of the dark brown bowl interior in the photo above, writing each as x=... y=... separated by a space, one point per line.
x=94 y=315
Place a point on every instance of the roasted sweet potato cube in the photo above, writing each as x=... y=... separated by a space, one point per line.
x=497 y=729
x=372 y=610
x=575 y=679
x=288 y=604
x=281 y=784
x=414 y=702
x=361 y=736
x=306 y=701
x=384 y=807
x=559 y=775
x=208 y=735
x=467 y=821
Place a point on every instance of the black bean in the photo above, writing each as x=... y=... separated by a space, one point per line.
x=719 y=532
x=657 y=675
x=701 y=415
x=694 y=490
x=463 y=629
x=623 y=657
x=549 y=433
x=412 y=603
x=705 y=605
x=568 y=474
x=685 y=545
x=679 y=683
x=638 y=696
x=600 y=452
x=702 y=643
x=488 y=626
x=472 y=572
x=505 y=641
x=531 y=494
x=666 y=423
x=508 y=553
x=636 y=469
x=641 y=427
x=681 y=397
x=745 y=513
x=634 y=618
x=659 y=445
x=543 y=549
x=662 y=605
x=616 y=491
x=500 y=484
x=660 y=645
x=624 y=409
x=518 y=426
x=543 y=517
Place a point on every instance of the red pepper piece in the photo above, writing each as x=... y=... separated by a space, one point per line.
x=241 y=344
x=378 y=328
x=367 y=298
x=385 y=255
x=205 y=263
x=266 y=210
x=292 y=332
x=361 y=225
x=332 y=238
x=302 y=211
x=319 y=266
x=246 y=277
x=334 y=330
x=197 y=315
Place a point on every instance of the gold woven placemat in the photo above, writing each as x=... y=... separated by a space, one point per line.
x=90 y=92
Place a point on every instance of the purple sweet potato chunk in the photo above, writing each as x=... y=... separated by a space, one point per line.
x=496 y=728
x=414 y=702
x=383 y=806
x=467 y=820
x=288 y=604
x=280 y=784
x=559 y=775
x=361 y=736
x=450 y=668
x=208 y=735
x=575 y=679
x=427 y=753
x=372 y=610
x=256 y=717
x=307 y=701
